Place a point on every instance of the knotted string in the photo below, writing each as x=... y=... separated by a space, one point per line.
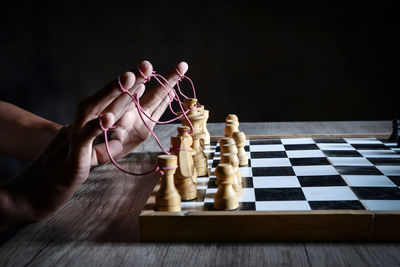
x=172 y=96
x=105 y=130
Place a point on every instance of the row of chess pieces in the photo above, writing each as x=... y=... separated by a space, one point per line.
x=187 y=161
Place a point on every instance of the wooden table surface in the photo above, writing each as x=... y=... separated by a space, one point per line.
x=99 y=226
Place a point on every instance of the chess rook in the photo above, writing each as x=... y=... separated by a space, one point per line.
x=232 y=158
x=167 y=198
x=185 y=175
x=226 y=197
x=240 y=139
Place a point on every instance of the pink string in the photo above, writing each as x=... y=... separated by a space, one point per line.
x=172 y=96
x=105 y=130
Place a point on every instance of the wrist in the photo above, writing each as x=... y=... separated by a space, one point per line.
x=13 y=210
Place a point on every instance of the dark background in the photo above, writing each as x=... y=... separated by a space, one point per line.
x=264 y=63
x=271 y=63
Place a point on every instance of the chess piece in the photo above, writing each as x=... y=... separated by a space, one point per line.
x=195 y=117
x=226 y=197
x=232 y=119
x=229 y=148
x=232 y=158
x=167 y=198
x=240 y=138
x=199 y=159
x=394 y=137
x=226 y=140
x=207 y=136
x=230 y=129
x=190 y=103
x=185 y=175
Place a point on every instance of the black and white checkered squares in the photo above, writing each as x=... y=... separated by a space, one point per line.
x=313 y=174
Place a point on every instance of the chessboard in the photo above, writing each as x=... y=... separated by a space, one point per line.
x=308 y=188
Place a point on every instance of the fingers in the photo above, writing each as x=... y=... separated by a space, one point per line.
x=124 y=102
x=100 y=155
x=157 y=98
x=85 y=136
x=94 y=105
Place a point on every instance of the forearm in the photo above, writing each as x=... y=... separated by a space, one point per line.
x=24 y=134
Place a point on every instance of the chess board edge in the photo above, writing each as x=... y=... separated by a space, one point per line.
x=246 y=226
x=349 y=135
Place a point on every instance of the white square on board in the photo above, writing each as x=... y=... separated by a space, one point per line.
x=282 y=205
x=328 y=193
x=315 y=170
x=297 y=141
x=275 y=182
x=368 y=180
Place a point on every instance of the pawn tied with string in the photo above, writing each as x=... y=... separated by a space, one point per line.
x=226 y=198
x=167 y=198
x=186 y=174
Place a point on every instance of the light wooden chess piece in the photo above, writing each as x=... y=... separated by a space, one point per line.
x=229 y=148
x=231 y=125
x=226 y=197
x=207 y=136
x=185 y=175
x=167 y=198
x=190 y=103
x=240 y=139
x=195 y=117
x=232 y=117
x=226 y=140
x=199 y=159
x=230 y=129
x=232 y=158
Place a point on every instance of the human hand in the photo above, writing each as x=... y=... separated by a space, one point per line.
x=57 y=172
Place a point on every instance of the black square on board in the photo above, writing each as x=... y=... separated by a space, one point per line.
x=395 y=179
x=329 y=140
x=211 y=183
x=336 y=205
x=370 y=146
x=377 y=193
x=321 y=180
x=385 y=161
x=278 y=194
x=273 y=171
x=266 y=142
x=215 y=163
x=309 y=161
x=358 y=170
x=268 y=154
x=208 y=206
x=247 y=182
x=302 y=147
x=342 y=153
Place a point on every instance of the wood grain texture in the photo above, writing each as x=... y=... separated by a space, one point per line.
x=99 y=226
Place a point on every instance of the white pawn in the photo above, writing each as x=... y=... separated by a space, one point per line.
x=240 y=139
x=232 y=158
x=226 y=197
